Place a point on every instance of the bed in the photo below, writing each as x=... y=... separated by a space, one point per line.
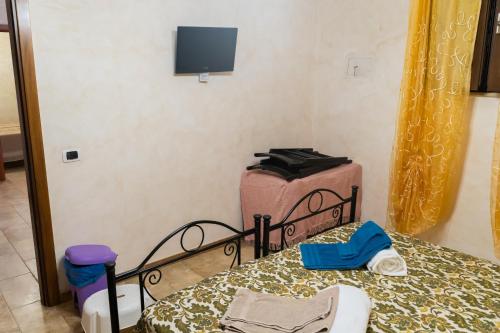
x=445 y=290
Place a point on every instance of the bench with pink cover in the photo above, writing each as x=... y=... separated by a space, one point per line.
x=265 y=193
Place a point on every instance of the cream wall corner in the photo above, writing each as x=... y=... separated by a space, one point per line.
x=159 y=150
x=358 y=116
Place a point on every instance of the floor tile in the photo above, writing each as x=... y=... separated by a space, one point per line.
x=17 y=201
x=209 y=263
x=15 y=196
x=20 y=236
x=6 y=223
x=22 y=206
x=19 y=291
x=11 y=266
x=8 y=213
x=37 y=318
x=190 y=271
x=215 y=261
x=174 y=277
x=25 y=248
x=16 y=173
x=32 y=267
x=18 y=233
x=5 y=247
x=71 y=316
x=7 y=322
x=4 y=202
x=23 y=211
x=179 y=275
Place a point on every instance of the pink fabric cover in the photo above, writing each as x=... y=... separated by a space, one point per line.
x=265 y=193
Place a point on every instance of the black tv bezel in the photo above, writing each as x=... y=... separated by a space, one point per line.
x=200 y=71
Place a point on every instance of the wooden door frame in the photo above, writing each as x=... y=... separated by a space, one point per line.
x=29 y=115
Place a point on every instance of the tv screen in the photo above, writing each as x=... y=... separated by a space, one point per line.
x=204 y=50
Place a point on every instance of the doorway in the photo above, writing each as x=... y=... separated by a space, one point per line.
x=18 y=272
x=24 y=201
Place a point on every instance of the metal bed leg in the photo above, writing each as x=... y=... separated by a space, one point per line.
x=257 y=218
x=352 y=214
x=113 y=302
x=141 y=291
x=265 y=241
x=282 y=238
x=239 y=252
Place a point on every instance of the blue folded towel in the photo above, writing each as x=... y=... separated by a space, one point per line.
x=364 y=244
x=347 y=250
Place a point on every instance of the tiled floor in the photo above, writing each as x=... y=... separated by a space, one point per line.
x=20 y=308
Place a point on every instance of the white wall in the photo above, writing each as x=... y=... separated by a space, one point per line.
x=160 y=150
x=358 y=116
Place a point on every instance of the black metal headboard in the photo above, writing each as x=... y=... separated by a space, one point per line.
x=287 y=225
x=152 y=274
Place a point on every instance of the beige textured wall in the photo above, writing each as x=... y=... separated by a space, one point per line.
x=158 y=150
x=358 y=116
x=3 y=13
x=8 y=102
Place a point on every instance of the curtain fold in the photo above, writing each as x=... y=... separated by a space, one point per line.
x=495 y=190
x=427 y=153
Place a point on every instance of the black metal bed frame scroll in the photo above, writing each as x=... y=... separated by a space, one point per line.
x=152 y=273
x=287 y=227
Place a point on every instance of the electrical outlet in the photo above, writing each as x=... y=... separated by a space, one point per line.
x=71 y=155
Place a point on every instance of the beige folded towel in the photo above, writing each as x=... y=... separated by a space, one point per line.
x=252 y=312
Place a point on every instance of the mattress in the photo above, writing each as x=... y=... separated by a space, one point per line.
x=445 y=290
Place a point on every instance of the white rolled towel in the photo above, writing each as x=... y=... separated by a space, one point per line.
x=353 y=311
x=388 y=262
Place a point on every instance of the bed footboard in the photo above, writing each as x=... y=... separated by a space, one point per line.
x=151 y=273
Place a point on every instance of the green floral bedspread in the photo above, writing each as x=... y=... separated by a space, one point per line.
x=445 y=290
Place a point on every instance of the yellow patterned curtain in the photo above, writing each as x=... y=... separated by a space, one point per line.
x=427 y=152
x=495 y=190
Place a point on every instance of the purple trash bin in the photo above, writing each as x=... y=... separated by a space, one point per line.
x=83 y=255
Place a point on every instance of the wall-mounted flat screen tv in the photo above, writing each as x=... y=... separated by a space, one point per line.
x=205 y=49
